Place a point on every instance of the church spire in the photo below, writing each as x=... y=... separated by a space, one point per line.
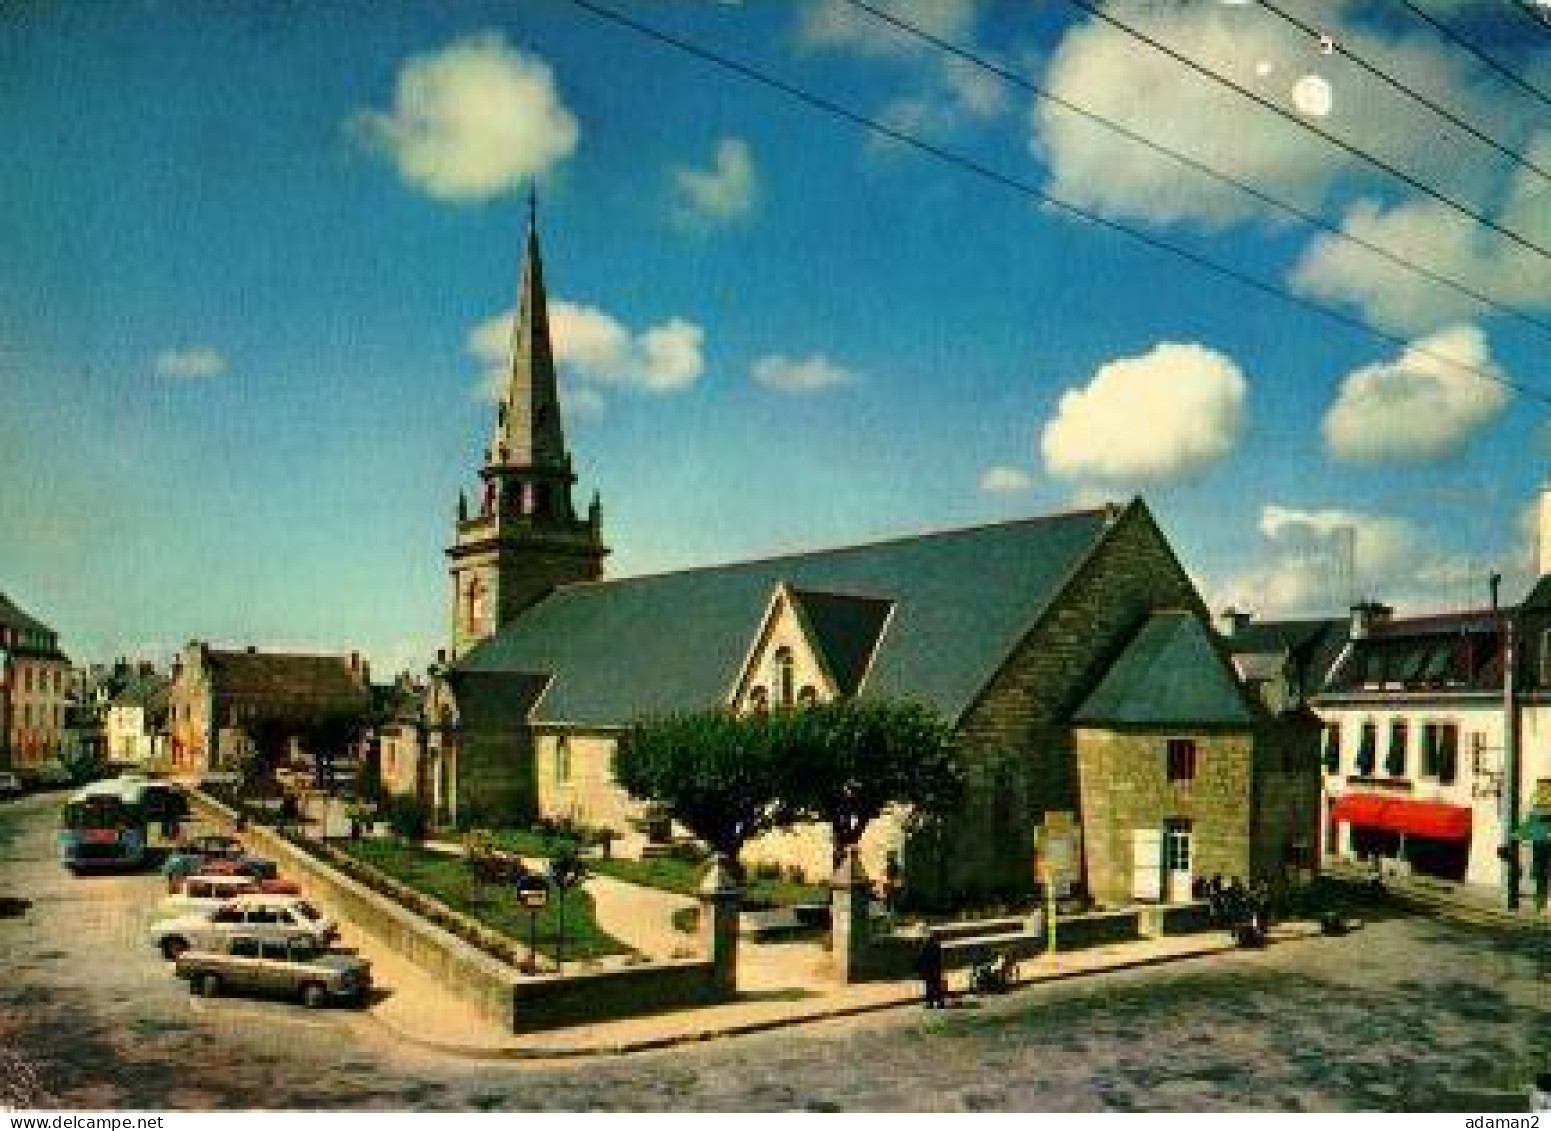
x=528 y=433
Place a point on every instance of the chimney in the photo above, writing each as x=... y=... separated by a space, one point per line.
x=1543 y=532
x=1494 y=583
x=252 y=649
x=1367 y=615
x=1231 y=622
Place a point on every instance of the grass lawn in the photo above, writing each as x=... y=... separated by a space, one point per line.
x=448 y=879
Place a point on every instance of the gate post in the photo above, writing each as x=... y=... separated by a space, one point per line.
x=850 y=919
x=720 y=897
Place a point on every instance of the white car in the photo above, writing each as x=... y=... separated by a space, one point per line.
x=258 y=916
x=204 y=893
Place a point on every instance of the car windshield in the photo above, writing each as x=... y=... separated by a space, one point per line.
x=308 y=909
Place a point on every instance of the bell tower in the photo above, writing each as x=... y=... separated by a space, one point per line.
x=522 y=538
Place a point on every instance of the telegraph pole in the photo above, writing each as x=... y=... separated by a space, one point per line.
x=1509 y=850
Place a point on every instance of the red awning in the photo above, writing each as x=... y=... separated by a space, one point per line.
x=1435 y=820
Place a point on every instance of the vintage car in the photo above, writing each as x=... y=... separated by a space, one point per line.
x=211 y=889
x=254 y=915
x=289 y=966
x=210 y=854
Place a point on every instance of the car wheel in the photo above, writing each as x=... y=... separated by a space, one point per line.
x=210 y=986
x=314 y=996
x=173 y=947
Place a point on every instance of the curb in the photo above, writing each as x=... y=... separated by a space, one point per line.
x=736 y=1029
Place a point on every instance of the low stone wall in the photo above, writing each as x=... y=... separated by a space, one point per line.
x=595 y=995
x=519 y=1002
x=894 y=956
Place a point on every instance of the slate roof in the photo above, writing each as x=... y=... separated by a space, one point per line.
x=845 y=629
x=147 y=690
x=621 y=649
x=1313 y=646
x=30 y=636
x=1170 y=674
x=1458 y=651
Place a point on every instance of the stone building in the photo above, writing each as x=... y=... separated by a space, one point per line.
x=219 y=700
x=1007 y=630
x=34 y=685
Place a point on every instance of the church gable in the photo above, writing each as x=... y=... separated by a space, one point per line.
x=810 y=647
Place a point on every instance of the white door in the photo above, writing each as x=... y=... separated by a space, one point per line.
x=1176 y=860
x=1146 y=864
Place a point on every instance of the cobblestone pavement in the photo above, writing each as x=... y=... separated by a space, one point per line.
x=1405 y=1014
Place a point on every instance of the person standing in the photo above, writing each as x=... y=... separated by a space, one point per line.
x=934 y=983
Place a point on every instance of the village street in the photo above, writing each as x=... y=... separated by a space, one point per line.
x=1406 y=1014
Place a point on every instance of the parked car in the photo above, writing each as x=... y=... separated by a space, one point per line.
x=10 y=785
x=202 y=853
x=292 y=966
x=261 y=916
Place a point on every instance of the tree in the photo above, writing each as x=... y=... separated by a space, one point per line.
x=844 y=763
x=713 y=770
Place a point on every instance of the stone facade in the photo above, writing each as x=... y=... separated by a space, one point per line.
x=217 y=697
x=1016 y=737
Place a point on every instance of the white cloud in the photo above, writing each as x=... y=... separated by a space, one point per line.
x=1109 y=73
x=1191 y=399
x=1002 y=478
x=1319 y=560
x=1418 y=407
x=721 y=195
x=193 y=361
x=1434 y=236
x=473 y=120
x=838 y=26
x=593 y=348
x=812 y=374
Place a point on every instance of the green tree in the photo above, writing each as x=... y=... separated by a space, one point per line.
x=714 y=771
x=843 y=764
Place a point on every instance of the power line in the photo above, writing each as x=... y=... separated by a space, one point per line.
x=985 y=172
x=1481 y=56
x=1307 y=217
x=1395 y=84
x=1346 y=146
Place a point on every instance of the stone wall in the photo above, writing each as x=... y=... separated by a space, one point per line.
x=1016 y=734
x=1125 y=787
x=580 y=787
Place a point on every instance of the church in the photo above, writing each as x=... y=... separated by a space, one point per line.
x=1106 y=737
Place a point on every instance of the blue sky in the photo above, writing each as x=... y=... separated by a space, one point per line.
x=255 y=257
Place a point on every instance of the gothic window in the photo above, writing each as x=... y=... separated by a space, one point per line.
x=475 y=610
x=759 y=700
x=786 y=677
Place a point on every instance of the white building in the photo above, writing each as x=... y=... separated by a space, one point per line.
x=135 y=722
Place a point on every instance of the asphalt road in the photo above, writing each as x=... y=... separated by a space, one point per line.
x=1407 y=1014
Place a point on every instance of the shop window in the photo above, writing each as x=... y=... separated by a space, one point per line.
x=1395 y=760
x=1367 y=749
x=1333 y=748
x=1182 y=759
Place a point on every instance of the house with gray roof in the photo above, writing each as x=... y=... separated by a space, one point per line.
x=34 y=688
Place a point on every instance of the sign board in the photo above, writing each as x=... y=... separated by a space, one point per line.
x=1060 y=852
x=533 y=893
